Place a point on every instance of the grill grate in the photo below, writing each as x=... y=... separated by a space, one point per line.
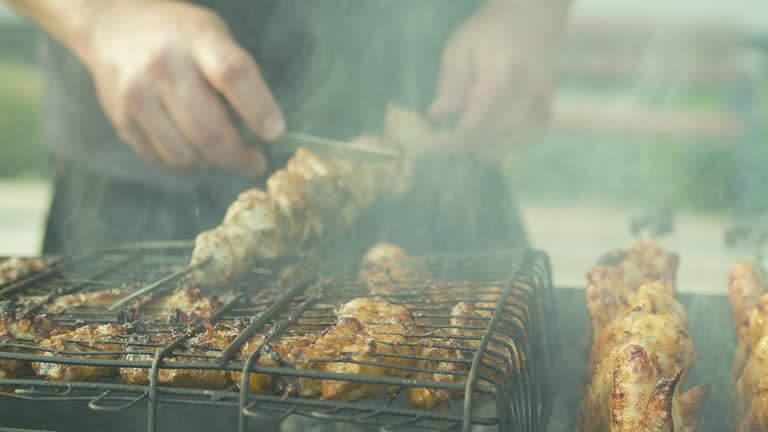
x=505 y=380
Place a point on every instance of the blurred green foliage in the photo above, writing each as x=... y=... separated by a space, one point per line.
x=21 y=149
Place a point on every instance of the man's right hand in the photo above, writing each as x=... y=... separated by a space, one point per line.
x=166 y=73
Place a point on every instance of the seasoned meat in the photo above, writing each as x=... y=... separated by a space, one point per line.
x=621 y=273
x=16 y=268
x=745 y=289
x=365 y=340
x=450 y=359
x=12 y=329
x=310 y=196
x=657 y=316
x=83 y=342
x=349 y=345
x=100 y=298
x=641 y=349
x=749 y=302
x=191 y=302
x=201 y=348
x=386 y=265
x=286 y=352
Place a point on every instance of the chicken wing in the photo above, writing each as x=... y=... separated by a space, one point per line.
x=16 y=268
x=88 y=299
x=450 y=359
x=12 y=329
x=191 y=302
x=641 y=348
x=83 y=342
x=203 y=347
x=368 y=338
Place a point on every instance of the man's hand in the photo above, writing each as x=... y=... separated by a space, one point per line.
x=166 y=73
x=496 y=77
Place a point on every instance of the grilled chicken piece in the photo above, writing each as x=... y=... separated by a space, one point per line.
x=621 y=273
x=625 y=393
x=304 y=200
x=386 y=265
x=641 y=347
x=83 y=342
x=657 y=316
x=201 y=348
x=749 y=302
x=187 y=300
x=450 y=360
x=14 y=327
x=285 y=352
x=368 y=338
x=745 y=289
x=16 y=268
x=89 y=299
x=350 y=343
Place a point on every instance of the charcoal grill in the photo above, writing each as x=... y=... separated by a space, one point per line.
x=520 y=400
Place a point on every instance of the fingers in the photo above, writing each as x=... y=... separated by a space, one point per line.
x=491 y=84
x=453 y=83
x=206 y=125
x=233 y=73
x=167 y=142
x=132 y=134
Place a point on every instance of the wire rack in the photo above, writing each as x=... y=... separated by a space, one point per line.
x=504 y=380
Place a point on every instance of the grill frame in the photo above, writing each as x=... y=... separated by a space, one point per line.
x=527 y=269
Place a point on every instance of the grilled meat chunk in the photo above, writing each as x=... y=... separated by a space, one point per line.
x=16 y=268
x=12 y=329
x=641 y=347
x=350 y=347
x=749 y=302
x=286 y=352
x=385 y=266
x=450 y=359
x=368 y=338
x=303 y=200
x=83 y=342
x=188 y=300
x=204 y=347
x=88 y=299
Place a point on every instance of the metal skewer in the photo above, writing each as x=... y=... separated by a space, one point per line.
x=162 y=282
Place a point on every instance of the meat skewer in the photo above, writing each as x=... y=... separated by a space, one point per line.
x=308 y=197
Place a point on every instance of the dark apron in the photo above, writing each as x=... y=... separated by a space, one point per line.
x=333 y=70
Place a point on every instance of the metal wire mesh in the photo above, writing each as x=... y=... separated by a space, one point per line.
x=501 y=379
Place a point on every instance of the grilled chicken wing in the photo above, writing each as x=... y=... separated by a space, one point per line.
x=83 y=342
x=450 y=360
x=749 y=302
x=641 y=347
x=286 y=352
x=302 y=201
x=89 y=299
x=190 y=301
x=201 y=348
x=16 y=268
x=745 y=289
x=368 y=339
x=13 y=329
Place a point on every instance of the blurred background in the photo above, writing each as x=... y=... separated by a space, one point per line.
x=659 y=106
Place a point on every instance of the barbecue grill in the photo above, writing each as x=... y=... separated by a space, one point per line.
x=508 y=390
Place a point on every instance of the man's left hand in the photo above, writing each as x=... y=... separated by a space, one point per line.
x=496 y=79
